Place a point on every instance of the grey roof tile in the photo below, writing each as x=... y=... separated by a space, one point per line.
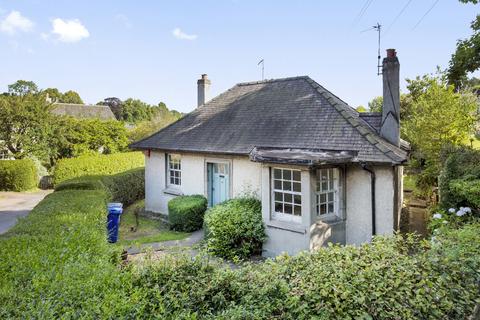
x=282 y=113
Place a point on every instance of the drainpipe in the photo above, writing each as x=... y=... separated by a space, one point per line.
x=372 y=179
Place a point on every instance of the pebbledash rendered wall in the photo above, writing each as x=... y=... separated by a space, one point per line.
x=246 y=177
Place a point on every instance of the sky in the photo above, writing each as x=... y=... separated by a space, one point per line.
x=156 y=50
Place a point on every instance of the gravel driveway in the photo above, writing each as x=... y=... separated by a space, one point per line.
x=14 y=205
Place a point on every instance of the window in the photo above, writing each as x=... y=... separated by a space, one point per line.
x=174 y=170
x=287 y=194
x=326 y=192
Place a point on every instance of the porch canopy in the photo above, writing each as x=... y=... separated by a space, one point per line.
x=302 y=156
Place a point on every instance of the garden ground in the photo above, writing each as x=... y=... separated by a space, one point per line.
x=14 y=205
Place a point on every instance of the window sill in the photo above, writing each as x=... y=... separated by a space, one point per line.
x=172 y=191
x=287 y=226
x=331 y=220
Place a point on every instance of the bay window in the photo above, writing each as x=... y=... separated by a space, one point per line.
x=326 y=192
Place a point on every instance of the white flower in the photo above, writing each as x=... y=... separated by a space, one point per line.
x=467 y=209
x=445 y=221
x=460 y=213
x=437 y=216
x=451 y=210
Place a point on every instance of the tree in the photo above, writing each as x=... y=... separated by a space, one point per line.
x=22 y=88
x=467 y=54
x=71 y=97
x=115 y=105
x=376 y=104
x=438 y=117
x=26 y=125
x=361 y=109
x=53 y=94
x=161 y=120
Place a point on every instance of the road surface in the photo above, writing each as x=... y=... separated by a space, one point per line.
x=14 y=205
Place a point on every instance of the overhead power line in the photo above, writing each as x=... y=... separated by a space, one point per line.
x=362 y=12
x=426 y=13
x=398 y=16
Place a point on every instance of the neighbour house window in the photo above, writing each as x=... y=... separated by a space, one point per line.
x=287 y=194
x=174 y=170
x=326 y=192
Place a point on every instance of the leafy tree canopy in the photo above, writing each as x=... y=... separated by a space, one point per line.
x=22 y=88
x=438 y=116
x=361 y=109
x=467 y=54
x=71 y=97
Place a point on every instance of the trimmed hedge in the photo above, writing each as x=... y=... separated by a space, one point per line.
x=185 y=213
x=18 y=175
x=88 y=165
x=234 y=229
x=126 y=187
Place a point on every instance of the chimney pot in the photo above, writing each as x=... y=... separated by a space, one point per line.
x=391 y=53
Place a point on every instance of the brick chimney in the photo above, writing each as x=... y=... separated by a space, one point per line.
x=203 y=90
x=390 y=129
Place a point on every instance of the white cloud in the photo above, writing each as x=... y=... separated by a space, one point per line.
x=14 y=22
x=69 y=30
x=179 y=34
x=124 y=20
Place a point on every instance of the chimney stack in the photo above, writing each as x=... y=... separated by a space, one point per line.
x=203 y=88
x=390 y=129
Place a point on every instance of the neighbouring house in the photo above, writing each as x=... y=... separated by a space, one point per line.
x=323 y=171
x=83 y=111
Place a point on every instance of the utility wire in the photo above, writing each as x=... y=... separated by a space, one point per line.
x=398 y=16
x=362 y=12
x=423 y=17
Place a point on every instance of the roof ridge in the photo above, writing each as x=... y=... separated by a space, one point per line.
x=364 y=129
x=79 y=104
x=249 y=83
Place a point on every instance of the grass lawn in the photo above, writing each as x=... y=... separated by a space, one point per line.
x=149 y=230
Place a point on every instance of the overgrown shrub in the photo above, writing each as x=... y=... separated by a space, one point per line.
x=459 y=180
x=18 y=175
x=97 y=165
x=125 y=187
x=185 y=213
x=234 y=229
x=392 y=278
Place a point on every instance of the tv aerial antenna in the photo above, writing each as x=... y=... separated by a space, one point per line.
x=378 y=28
x=262 y=62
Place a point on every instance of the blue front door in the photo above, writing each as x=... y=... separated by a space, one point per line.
x=218 y=182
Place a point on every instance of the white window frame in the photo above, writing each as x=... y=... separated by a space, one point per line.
x=175 y=170
x=282 y=216
x=327 y=187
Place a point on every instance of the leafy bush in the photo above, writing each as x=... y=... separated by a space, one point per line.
x=186 y=213
x=125 y=187
x=392 y=278
x=97 y=165
x=459 y=180
x=18 y=175
x=234 y=229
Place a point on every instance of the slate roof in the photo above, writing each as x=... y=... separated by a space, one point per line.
x=281 y=113
x=83 y=111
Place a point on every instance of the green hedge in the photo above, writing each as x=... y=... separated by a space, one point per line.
x=185 y=213
x=88 y=165
x=234 y=229
x=459 y=179
x=125 y=187
x=18 y=175
x=392 y=278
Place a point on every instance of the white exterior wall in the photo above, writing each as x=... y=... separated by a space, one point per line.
x=358 y=204
x=353 y=227
x=245 y=177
